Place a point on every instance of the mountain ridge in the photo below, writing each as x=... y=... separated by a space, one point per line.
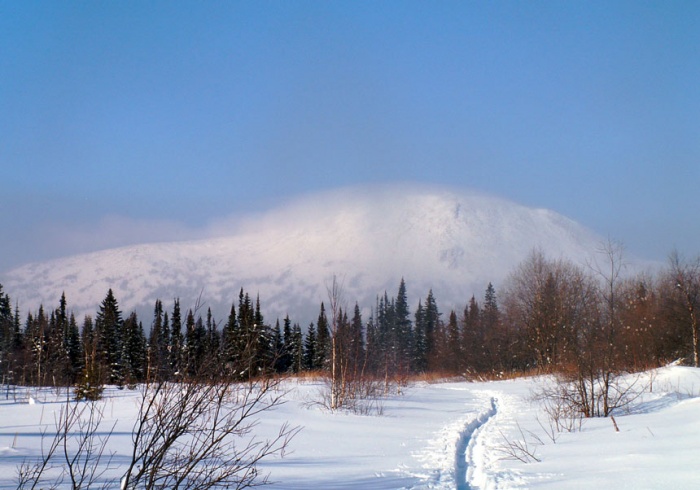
x=449 y=240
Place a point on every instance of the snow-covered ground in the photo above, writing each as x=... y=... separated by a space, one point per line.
x=453 y=435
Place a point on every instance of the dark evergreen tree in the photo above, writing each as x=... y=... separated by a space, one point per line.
x=213 y=342
x=195 y=344
x=57 y=364
x=231 y=339
x=176 y=339
x=108 y=329
x=323 y=341
x=472 y=338
x=89 y=385
x=372 y=347
x=403 y=337
x=6 y=336
x=286 y=352
x=453 y=352
x=133 y=351
x=278 y=346
x=310 y=356
x=357 y=343
x=247 y=340
x=433 y=332
x=296 y=349
x=158 y=345
x=494 y=343
x=33 y=339
x=74 y=348
x=263 y=350
x=420 y=342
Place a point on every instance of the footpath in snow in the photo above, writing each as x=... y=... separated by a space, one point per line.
x=434 y=436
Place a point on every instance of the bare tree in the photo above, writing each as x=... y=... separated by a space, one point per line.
x=571 y=320
x=609 y=273
x=335 y=296
x=686 y=278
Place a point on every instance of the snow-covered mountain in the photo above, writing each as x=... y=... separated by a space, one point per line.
x=452 y=241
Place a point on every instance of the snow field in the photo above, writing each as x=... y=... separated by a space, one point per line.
x=434 y=436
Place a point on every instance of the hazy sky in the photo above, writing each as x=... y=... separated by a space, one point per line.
x=123 y=122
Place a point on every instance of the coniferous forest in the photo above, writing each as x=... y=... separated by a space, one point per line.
x=550 y=316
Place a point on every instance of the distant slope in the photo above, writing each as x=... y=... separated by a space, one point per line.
x=449 y=240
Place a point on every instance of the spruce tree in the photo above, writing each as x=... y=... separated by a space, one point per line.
x=323 y=341
x=278 y=347
x=420 y=343
x=231 y=342
x=195 y=341
x=357 y=344
x=6 y=334
x=453 y=351
x=472 y=337
x=158 y=342
x=133 y=351
x=264 y=353
x=490 y=324
x=108 y=329
x=310 y=357
x=403 y=328
x=287 y=345
x=296 y=349
x=89 y=385
x=176 y=339
x=74 y=348
x=433 y=333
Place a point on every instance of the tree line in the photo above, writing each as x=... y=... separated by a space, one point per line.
x=587 y=321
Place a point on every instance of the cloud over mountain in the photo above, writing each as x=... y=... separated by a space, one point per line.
x=450 y=240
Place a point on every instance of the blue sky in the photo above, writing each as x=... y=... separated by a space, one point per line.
x=123 y=122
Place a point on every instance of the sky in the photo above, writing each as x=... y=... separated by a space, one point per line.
x=128 y=122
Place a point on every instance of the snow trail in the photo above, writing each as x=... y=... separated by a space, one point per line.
x=464 y=461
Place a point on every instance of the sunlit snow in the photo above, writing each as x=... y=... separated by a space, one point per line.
x=436 y=436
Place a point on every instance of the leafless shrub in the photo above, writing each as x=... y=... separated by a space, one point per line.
x=189 y=434
x=364 y=396
x=521 y=449
x=559 y=404
x=77 y=448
